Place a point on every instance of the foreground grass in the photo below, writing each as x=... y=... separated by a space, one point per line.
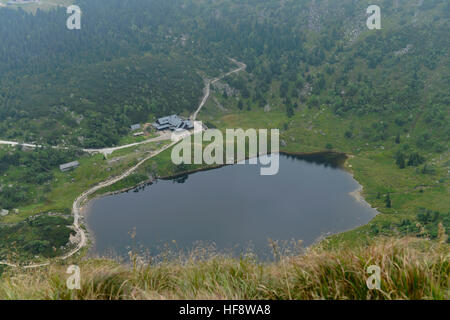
x=410 y=269
x=42 y=5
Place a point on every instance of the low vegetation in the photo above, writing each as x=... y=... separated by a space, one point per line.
x=33 y=232
x=410 y=269
x=26 y=175
x=314 y=71
x=35 y=237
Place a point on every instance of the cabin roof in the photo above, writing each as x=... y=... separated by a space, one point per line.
x=69 y=165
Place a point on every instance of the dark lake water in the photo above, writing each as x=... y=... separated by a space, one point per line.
x=233 y=208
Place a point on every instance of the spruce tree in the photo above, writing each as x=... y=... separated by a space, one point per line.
x=388 y=201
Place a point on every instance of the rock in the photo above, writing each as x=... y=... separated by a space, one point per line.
x=219 y=105
x=403 y=51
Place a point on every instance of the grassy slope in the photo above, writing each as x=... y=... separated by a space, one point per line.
x=374 y=168
x=372 y=164
x=93 y=169
x=309 y=130
x=410 y=269
x=42 y=5
x=42 y=235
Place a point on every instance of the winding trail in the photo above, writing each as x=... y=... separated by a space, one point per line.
x=165 y=136
x=78 y=203
x=14 y=143
x=76 y=208
x=241 y=65
x=105 y=151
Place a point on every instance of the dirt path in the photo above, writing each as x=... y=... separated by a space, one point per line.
x=162 y=137
x=14 y=143
x=207 y=90
x=106 y=151
x=78 y=203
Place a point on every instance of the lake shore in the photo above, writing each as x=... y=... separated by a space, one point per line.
x=333 y=159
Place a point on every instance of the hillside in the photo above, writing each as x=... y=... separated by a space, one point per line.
x=314 y=70
x=411 y=269
x=310 y=52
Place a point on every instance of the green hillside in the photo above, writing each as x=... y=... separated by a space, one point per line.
x=314 y=71
x=411 y=270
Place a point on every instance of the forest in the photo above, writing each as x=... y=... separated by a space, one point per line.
x=25 y=174
x=138 y=59
x=134 y=60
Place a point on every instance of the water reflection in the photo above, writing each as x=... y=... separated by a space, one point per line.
x=232 y=209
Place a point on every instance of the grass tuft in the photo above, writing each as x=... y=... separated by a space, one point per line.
x=410 y=269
